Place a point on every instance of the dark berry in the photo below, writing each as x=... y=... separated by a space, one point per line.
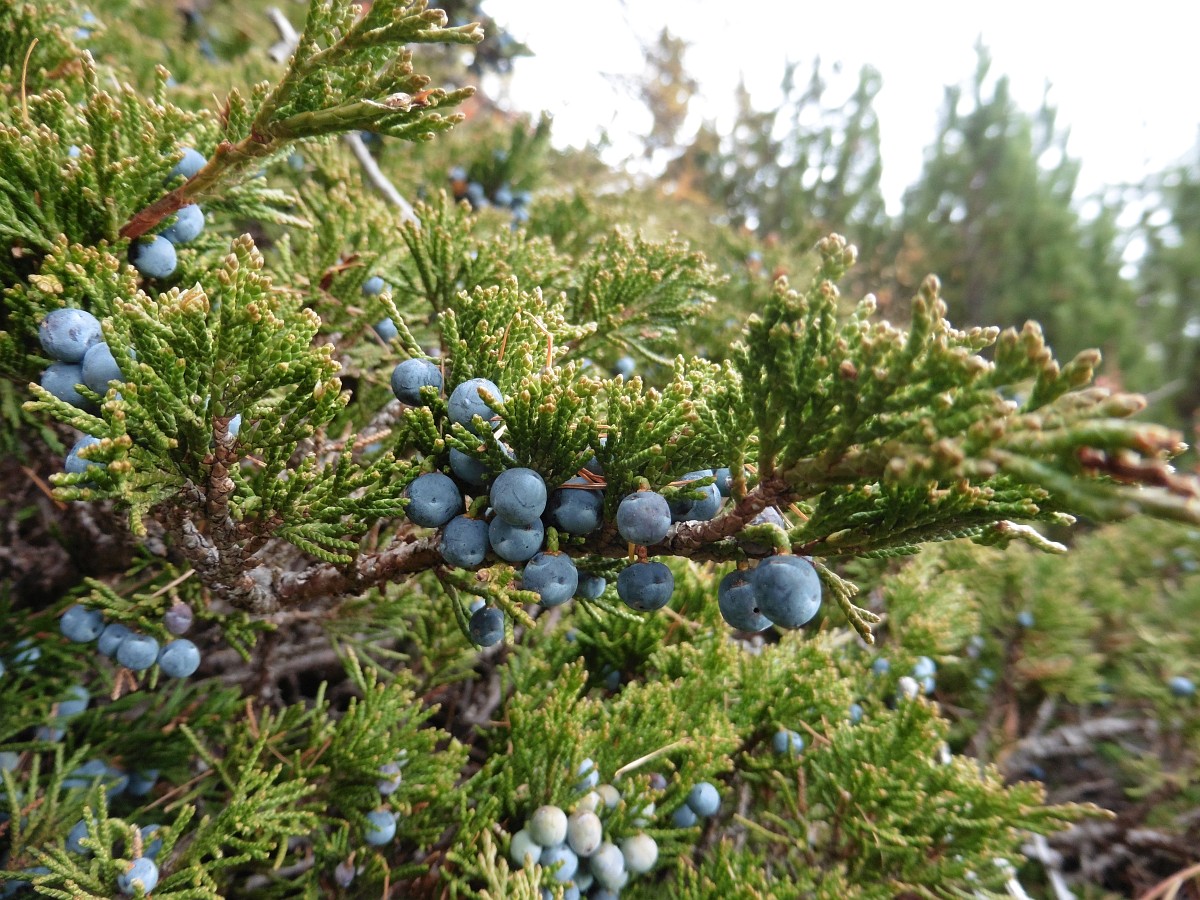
x=434 y=499
x=410 y=376
x=789 y=590
x=518 y=496
x=552 y=576
x=644 y=517
x=464 y=542
x=737 y=599
x=645 y=586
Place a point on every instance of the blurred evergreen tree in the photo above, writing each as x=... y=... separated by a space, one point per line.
x=1169 y=280
x=790 y=174
x=994 y=213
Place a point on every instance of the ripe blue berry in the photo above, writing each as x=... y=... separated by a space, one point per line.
x=27 y=654
x=789 y=590
x=724 y=480
x=74 y=464
x=737 y=599
x=881 y=666
x=486 y=626
x=464 y=542
x=855 y=713
x=477 y=195
x=179 y=658
x=591 y=777
x=704 y=800
x=373 y=286
x=137 y=652
x=83 y=775
x=434 y=500
x=80 y=624
x=142 y=872
x=553 y=576
x=381 y=827
x=684 y=817
x=697 y=510
x=608 y=866
x=907 y=688
x=392 y=779
x=924 y=667
x=469 y=469
x=178 y=619
x=645 y=586
x=154 y=258
x=466 y=402
x=640 y=852
x=515 y=543
x=62 y=379
x=74 y=705
x=191 y=163
x=189 y=222
x=77 y=833
x=789 y=742
x=625 y=367
x=518 y=496
x=410 y=376
x=524 y=850
x=67 y=333
x=1181 y=686
x=1025 y=618
x=99 y=368
x=564 y=858
x=644 y=517
x=386 y=329
x=576 y=510
x=548 y=826
x=151 y=847
x=142 y=783
x=584 y=833
x=590 y=586
x=111 y=638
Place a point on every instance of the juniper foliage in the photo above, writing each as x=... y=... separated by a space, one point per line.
x=335 y=637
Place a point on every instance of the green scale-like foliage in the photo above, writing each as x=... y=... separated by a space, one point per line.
x=334 y=637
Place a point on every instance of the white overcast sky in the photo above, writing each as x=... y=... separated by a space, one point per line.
x=1123 y=75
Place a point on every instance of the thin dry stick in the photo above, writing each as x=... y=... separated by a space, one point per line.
x=24 y=75
x=653 y=754
x=376 y=177
x=1172 y=885
x=288 y=41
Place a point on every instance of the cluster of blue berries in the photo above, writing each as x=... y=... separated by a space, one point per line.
x=178 y=658
x=702 y=802
x=142 y=871
x=521 y=505
x=381 y=823
x=574 y=849
x=385 y=328
x=780 y=590
x=503 y=197
x=155 y=257
x=73 y=338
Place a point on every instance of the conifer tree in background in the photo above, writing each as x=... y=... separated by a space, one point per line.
x=806 y=168
x=326 y=566
x=1169 y=279
x=993 y=213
